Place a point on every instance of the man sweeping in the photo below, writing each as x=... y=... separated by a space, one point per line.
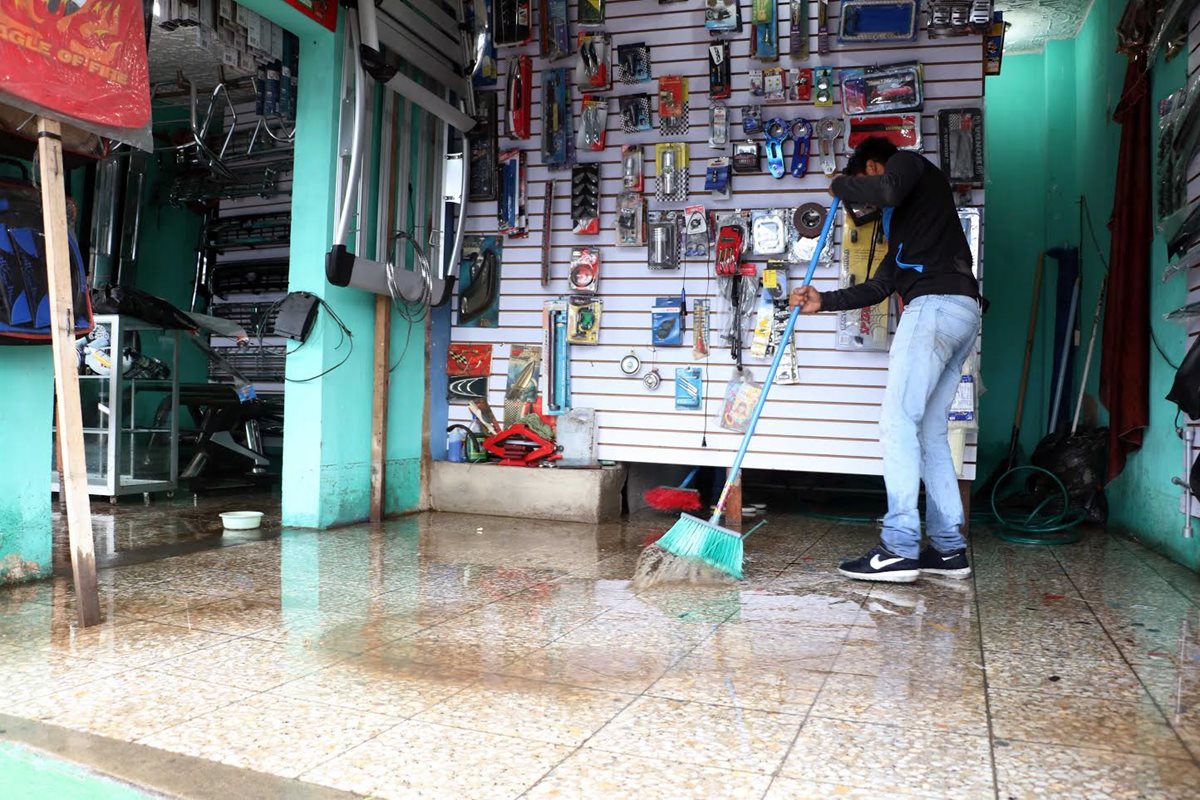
x=928 y=263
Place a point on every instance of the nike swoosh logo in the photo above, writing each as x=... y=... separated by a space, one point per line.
x=949 y=558
x=880 y=563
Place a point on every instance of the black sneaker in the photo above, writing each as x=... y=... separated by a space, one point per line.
x=947 y=565
x=881 y=565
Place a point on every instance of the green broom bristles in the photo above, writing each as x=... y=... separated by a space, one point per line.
x=705 y=541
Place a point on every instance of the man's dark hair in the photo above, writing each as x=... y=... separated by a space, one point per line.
x=873 y=148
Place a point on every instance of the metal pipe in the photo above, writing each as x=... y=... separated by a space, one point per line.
x=1087 y=361
x=342 y=228
x=1068 y=341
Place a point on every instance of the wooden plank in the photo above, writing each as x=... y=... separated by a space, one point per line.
x=66 y=375
x=379 y=404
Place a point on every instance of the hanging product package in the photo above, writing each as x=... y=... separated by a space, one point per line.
x=558 y=143
x=689 y=388
x=484 y=149
x=741 y=395
x=633 y=176
x=592 y=69
x=24 y=276
x=519 y=96
x=664 y=230
x=479 y=282
x=802 y=86
x=764 y=46
x=593 y=122
x=584 y=275
x=718 y=125
x=863 y=250
x=583 y=320
x=555 y=30
x=949 y=18
x=673 y=105
x=722 y=16
x=902 y=130
x=83 y=63
x=590 y=12
x=666 y=321
x=876 y=90
x=585 y=199
x=822 y=90
x=513 y=22
x=695 y=233
x=717 y=178
x=633 y=62
x=479 y=24
x=513 y=182
x=878 y=21
x=635 y=112
x=720 y=80
x=960 y=145
x=798 y=33
x=671 y=171
x=631 y=219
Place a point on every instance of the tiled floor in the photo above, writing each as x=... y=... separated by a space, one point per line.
x=460 y=657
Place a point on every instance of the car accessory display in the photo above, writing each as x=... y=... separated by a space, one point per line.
x=583 y=320
x=828 y=131
x=633 y=62
x=483 y=149
x=960 y=145
x=746 y=158
x=764 y=45
x=730 y=243
x=775 y=85
x=468 y=367
x=798 y=34
x=948 y=18
x=752 y=120
x=631 y=219
x=513 y=22
x=700 y=310
x=823 y=87
x=592 y=68
x=993 y=44
x=665 y=230
x=556 y=354
x=801 y=131
x=593 y=123
x=479 y=282
x=875 y=90
x=590 y=12
x=519 y=446
x=902 y=130
x=802 y=85
x=769 y=232
x=479 y=28
x=774 y=285
x=671 y=171
x=635 y=112
x=666 y=321
x=632 y=168
x=555 y=30
x=775 y=132
x=808 y=219
x=863 y=249
x=720 y=81
x=584 y=275
x=652 y=379
x=558 y=143
x=722 y=16
x=717 y=178
x=547 y=229
x=511 y=207
x=673 y=105
x=695 y=232
x=631 y=364
x=689 y=388
x=520 y=91
x=585 y=199
x=878 y=21
x=718 y=125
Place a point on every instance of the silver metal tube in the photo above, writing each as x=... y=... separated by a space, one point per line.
x=342 y=228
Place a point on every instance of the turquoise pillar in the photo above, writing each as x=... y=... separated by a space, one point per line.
x=327 y=427
x=26 y=414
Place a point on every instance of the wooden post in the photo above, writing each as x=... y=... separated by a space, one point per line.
x=733 y=505
x=66 y=374
x=379 y=404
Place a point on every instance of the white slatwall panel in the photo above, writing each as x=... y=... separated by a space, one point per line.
x=828 y=423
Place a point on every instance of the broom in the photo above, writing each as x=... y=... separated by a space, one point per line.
x=675 y=498
x=696 y=543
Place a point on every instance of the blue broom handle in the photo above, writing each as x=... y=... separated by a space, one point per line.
x=787 y=337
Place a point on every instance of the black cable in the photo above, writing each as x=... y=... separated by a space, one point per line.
x=346 y=335
x=1087 y=214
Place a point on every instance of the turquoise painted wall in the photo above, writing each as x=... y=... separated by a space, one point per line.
x=1050 y=139
x=27 y=413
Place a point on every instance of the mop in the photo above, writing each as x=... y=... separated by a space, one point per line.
x=694 y=549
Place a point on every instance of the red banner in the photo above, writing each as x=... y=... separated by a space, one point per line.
x=323 y=11
x=83 y=61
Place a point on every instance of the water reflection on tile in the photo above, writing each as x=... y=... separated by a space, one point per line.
x=907 y=702
x=589 y=774
x=1025 y=769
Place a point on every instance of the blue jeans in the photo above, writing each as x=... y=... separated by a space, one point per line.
x=935 y=335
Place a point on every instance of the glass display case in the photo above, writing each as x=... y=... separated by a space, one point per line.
x=129 y=388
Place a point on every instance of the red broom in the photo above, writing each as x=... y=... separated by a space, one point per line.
x=674 y=498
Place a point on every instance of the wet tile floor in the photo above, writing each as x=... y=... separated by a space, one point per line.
x=470 y=657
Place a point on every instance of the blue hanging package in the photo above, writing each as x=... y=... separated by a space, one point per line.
x=666 y=322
